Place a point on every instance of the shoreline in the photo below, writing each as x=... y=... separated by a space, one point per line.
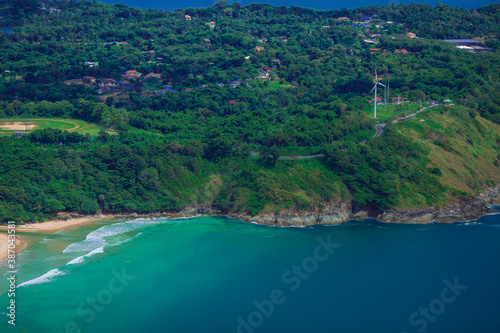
x=56 y=225
x=334 y=213
x=42 y=227
x=4 y=243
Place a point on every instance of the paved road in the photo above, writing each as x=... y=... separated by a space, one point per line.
x=380 y=127
x=306 y=157
x=380 y=130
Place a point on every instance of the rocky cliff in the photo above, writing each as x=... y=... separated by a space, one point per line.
x=465 y=209
x=337 y=212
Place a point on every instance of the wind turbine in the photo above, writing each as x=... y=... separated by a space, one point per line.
x=375 y=99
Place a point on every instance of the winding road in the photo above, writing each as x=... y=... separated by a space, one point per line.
x=380 y=127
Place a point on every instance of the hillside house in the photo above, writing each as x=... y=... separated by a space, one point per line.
x=400 y=51
x=107 y=83
x=131 y=74
x=411 y=35
x=379 y=100
x=259 y=48
x=125 y=85
x=399 y=100
x=471 y=45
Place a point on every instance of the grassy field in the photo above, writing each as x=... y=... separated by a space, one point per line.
x=9 y=125
x=393 y=110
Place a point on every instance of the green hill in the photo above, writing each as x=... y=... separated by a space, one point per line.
x=204 y=106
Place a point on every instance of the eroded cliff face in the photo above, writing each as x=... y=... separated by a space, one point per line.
x=465 y=209
x=337 y=212
x=331 y=213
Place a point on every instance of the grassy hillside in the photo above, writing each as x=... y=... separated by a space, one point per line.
x=464 y=150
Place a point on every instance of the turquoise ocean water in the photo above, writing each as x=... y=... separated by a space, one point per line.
x=213 y=274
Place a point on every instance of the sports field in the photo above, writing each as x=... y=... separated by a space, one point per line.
x=9 y=125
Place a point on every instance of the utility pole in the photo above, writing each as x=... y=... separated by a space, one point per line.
x=389 y=96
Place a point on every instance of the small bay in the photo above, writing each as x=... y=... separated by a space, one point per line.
x=213 y=274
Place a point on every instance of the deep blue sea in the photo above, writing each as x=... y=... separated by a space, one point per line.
x=316 y=4
x=216 y=275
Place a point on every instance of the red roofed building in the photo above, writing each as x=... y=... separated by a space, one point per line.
x=259 y=48
x=232 y=102
x=378 y=100
x=131 y=74
x=400 y=51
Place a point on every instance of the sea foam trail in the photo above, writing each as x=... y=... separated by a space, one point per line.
x=43 y=278
x=80 y=259
x=93 y=243
x=96 y=238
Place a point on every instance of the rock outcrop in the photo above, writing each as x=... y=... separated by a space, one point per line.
x=465 y=209
x=337 y=212
x=330 y=213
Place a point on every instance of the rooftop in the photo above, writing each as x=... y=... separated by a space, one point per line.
x=471 y=41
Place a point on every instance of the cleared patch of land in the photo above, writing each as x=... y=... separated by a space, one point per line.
x=17 y=126
x=9 y=125
x=394 y=111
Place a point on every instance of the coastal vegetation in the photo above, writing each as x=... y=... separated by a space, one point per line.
x=195 y=107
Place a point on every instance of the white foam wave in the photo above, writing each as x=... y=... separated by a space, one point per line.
x=80 y=259
x=472 y=223
x=43 y=278
x=96 y=238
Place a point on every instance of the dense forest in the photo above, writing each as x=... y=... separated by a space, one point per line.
x=184 y=97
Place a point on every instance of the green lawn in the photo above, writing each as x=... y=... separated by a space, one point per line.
x=393 y=110
x=9 y=125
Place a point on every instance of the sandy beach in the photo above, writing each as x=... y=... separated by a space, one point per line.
x=53 y=226
x=20 y=245
x=44 y=227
